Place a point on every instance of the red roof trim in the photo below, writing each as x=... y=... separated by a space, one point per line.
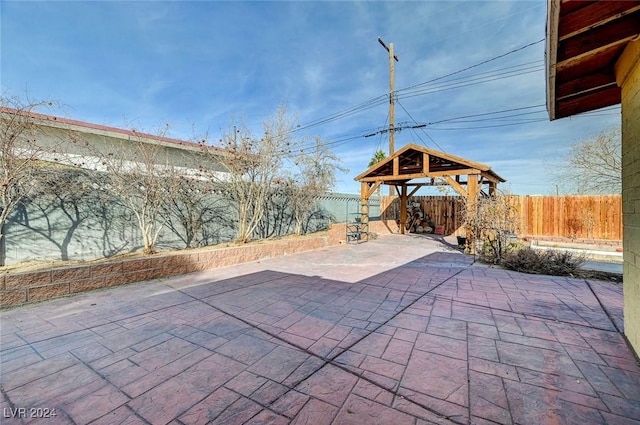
x=92 y=126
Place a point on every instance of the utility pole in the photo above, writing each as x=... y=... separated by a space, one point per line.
x=392 y=89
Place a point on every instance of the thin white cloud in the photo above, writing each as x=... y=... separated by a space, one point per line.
x=196 y=64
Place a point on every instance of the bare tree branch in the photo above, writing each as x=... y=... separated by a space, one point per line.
x=595 y=165
x=316 y=174
x=492 y=221
x=145 y=177
x=253 y=169
x=20 y=154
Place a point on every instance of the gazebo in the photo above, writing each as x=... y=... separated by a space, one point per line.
x=413 y=167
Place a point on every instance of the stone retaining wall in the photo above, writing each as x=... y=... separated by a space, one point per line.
x=27 y=287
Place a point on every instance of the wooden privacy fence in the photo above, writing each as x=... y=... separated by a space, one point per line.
x=574 y=217
x=441 y=210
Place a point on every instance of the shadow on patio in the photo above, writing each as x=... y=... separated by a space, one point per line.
x=435 y=340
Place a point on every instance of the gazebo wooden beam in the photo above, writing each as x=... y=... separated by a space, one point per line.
x=372 y=188
x=493 y=187
x=456 y=172
x=456 y=186
x=464 y=171
x=425 y=166
x=425 y=163
x=413 y=191
x=403 y=209
x=489 y=177
x=473 y=191
x=365 y=193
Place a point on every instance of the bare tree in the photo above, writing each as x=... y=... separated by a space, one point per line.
x=491 y=221
x=144 y=177
x=20 y=155
x=253 y=168
x=595 y=165
x=278 y=215
x=277 y=171
x=316 y=175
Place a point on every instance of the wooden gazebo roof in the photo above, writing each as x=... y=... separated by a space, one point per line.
x=418 y=162
x=426 y=167
x=584 y=41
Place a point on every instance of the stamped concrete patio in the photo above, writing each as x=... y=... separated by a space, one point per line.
x=401 y=330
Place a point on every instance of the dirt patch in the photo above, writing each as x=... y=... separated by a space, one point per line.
x=599 y=275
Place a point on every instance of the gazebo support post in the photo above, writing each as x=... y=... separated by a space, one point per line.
x=366 y=190
x=403 y=208
x=472 y=200
x=364 y=209
x=493 y=187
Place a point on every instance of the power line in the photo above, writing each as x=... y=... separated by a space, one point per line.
x=379 y=100
x=488 y=113
x=421 y=127
x=520 y=65
x=489 y=126
x=423 y=89
x=501 y=119
x=489 y=117
x=476 y=65
x=417 y=125
x=470 y=82
x=379 y=145
x=382 y=99
x=347 y=112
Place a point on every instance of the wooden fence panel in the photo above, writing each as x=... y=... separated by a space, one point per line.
x=573 y=217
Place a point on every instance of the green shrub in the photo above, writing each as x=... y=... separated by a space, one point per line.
x=555 y=263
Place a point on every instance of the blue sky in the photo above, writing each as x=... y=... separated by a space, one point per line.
x=200 y=65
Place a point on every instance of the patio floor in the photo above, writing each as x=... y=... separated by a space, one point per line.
x=401 y=330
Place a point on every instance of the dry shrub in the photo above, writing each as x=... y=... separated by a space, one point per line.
x=555 y=263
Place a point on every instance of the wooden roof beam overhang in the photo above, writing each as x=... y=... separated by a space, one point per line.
x=593 y=15
x=489 y=178
x=584 y=40
x=592 y=41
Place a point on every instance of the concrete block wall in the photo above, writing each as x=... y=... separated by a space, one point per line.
x=27 y=287
x=91 y=240
x=628 y=77
x=18 y=288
